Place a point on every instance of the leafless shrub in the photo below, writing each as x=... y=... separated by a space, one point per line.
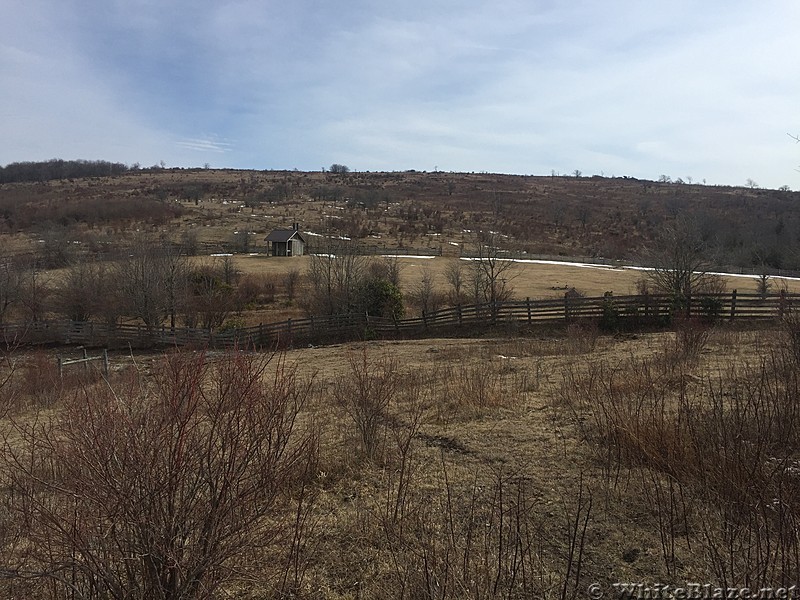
x=364 y=393
x=791 y=331
x=582 y=337
x=167 y=488
x=691 y=337
x=717 y=459
x=291 y=280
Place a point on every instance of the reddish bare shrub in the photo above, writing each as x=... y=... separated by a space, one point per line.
x=170 y=487
x=365 y=393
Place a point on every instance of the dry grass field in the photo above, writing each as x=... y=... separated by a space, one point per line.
x=499 y=467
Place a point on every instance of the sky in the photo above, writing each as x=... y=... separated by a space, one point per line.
x=706 y=90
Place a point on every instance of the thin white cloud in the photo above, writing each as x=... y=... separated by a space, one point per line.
x=206 y=144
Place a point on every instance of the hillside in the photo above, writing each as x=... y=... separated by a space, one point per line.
x=215 y=210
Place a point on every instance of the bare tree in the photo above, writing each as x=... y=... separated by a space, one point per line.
x=389 y=268
x=240 y=241
x=34 y=292
x=455 y=277
x=679 y=260
x=209 y=298
x=11 y=280
x=81 y=292
x=424 y=294
x=57 y=249
x=335 y=276
x=148 y=281
x=492 y=272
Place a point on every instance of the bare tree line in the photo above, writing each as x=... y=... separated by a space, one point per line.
x=155 y=283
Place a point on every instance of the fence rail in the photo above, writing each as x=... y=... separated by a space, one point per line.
x=613 y=311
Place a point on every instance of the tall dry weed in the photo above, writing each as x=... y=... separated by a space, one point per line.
x=726 y=446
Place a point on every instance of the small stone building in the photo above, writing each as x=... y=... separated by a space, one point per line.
x=286 y=242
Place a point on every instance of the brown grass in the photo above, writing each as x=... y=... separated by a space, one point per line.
x=530 y=466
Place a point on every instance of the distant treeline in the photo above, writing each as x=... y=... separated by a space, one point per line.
x=60 y=169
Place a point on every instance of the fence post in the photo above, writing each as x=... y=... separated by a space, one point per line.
x=528 y=306
x=60 y=368
x=733 y=304
x=566 y=307
x=458 y=312
x=424 y=319
x=105 y=361
x=782 y=303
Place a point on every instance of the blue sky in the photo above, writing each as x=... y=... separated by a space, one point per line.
x=706 y=90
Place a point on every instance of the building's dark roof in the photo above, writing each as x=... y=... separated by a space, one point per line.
x=284 y=235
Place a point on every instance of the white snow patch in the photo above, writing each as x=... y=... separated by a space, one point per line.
x=583 y=265
x=404 y=256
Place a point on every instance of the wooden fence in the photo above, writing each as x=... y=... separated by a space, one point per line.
x=612 y=311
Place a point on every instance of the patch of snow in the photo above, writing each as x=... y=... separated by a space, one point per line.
x=404 y=256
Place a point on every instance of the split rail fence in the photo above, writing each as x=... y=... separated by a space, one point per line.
x=630 y=312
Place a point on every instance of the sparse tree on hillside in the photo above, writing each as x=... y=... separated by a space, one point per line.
x=57 y=249
x=339 y=169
